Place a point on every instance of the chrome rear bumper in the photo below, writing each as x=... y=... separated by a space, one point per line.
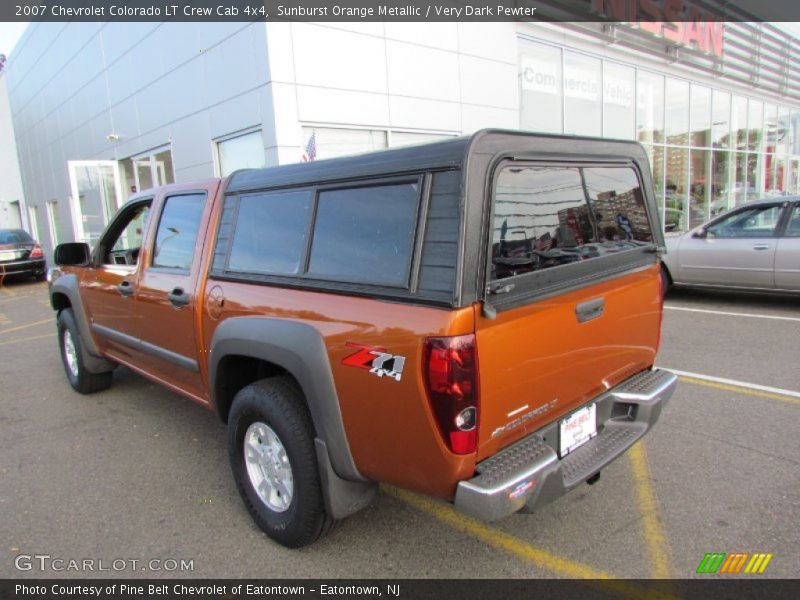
x=529 y=473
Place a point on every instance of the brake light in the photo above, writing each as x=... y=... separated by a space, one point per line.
x=451 y=378
x=36 y=252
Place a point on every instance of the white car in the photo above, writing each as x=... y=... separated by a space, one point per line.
x=753 y=246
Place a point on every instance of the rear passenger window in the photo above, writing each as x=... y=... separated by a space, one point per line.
x=271 y=233
x=365 y=234
x=177 y=231
x=549 y=216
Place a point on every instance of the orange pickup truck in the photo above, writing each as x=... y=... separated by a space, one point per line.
x=474 y=319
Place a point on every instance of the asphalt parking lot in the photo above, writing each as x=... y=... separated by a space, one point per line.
x=138 y=473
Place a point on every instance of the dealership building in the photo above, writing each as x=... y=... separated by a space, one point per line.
x=103 y=110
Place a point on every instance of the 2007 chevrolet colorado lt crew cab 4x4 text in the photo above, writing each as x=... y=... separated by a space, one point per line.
x=474 y=319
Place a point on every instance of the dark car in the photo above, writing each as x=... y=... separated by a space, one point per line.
x=20 y=254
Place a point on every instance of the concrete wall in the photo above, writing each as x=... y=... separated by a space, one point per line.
x=10 y=179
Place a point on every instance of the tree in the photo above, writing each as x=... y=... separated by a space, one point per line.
x=2 y=61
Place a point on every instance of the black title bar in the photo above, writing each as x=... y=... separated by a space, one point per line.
x=387 y=589
x=408 y=10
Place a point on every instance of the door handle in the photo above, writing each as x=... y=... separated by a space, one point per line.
x=761 y=247
x=178 y=298
x=125 y=288
x=592 y=309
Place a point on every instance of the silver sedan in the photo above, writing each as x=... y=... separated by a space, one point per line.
x=753 y=246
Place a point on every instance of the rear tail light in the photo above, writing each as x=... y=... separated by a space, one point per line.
x=451 y=379
x=36 y=252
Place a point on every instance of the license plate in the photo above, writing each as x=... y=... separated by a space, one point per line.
x=8 y=255
x=577 y=429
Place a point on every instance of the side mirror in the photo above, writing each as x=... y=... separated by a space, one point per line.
x=700 y=233
x=75 y=254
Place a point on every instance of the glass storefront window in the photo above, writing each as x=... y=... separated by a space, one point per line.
x=675 y=189
x=163 y=166
x=770 y=127
x=676 y=112
x=721 y=120
x=783 y=132
x=649 y=107
x=780 y=174
x=739 y=122
x=755 y=125
x=656 y=156
x=720 y=182
x=240 y=152
x=793 y=176
x=331 y=142
x=768 y=173
x=740 y=191
x=755 y=176
x=700 y=116
x=619 y=118
x=540 y=88
x=582 y=114
x=699 y=174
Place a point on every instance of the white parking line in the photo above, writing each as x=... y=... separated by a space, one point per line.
x=731 y=314
x=734 y=382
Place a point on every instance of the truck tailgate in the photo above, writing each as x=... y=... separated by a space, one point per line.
x=539 y=362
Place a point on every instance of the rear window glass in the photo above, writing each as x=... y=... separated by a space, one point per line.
x=271 y=233
x=365 y=234
x=549 y=216
x=14 y=236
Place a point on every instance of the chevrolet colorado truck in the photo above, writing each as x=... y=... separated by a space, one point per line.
x=473 y=319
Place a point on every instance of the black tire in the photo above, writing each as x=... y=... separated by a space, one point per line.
x=40 y=276
x=277 y=403
x=666 y=280
x=79 y=377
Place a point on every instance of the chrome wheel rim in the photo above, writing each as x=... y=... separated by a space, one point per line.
x=268 y=466
x=70 y=353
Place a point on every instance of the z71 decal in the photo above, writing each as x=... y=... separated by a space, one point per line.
x=376 y=360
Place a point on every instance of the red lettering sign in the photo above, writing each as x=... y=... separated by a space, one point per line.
x=678 y=21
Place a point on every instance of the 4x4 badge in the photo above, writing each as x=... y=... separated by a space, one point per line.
x=376 y=360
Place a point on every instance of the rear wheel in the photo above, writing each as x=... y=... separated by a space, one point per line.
x=69 y=340
x=274 y=463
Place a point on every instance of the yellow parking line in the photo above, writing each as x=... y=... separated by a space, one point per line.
x=496 y=538
x=652 y=527
x=18 y=327
x=740 y=390
x=520 y=548
x=27 y=339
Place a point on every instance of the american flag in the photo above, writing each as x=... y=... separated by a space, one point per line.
x=311 y=148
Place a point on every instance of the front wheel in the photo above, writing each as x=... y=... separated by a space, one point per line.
x=274 y=463
x=69 y=340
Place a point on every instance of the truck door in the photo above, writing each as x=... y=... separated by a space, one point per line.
x=107 y=286
x=166 y=296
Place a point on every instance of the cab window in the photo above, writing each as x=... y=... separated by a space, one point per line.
x=123 y=242
x=177 y=231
